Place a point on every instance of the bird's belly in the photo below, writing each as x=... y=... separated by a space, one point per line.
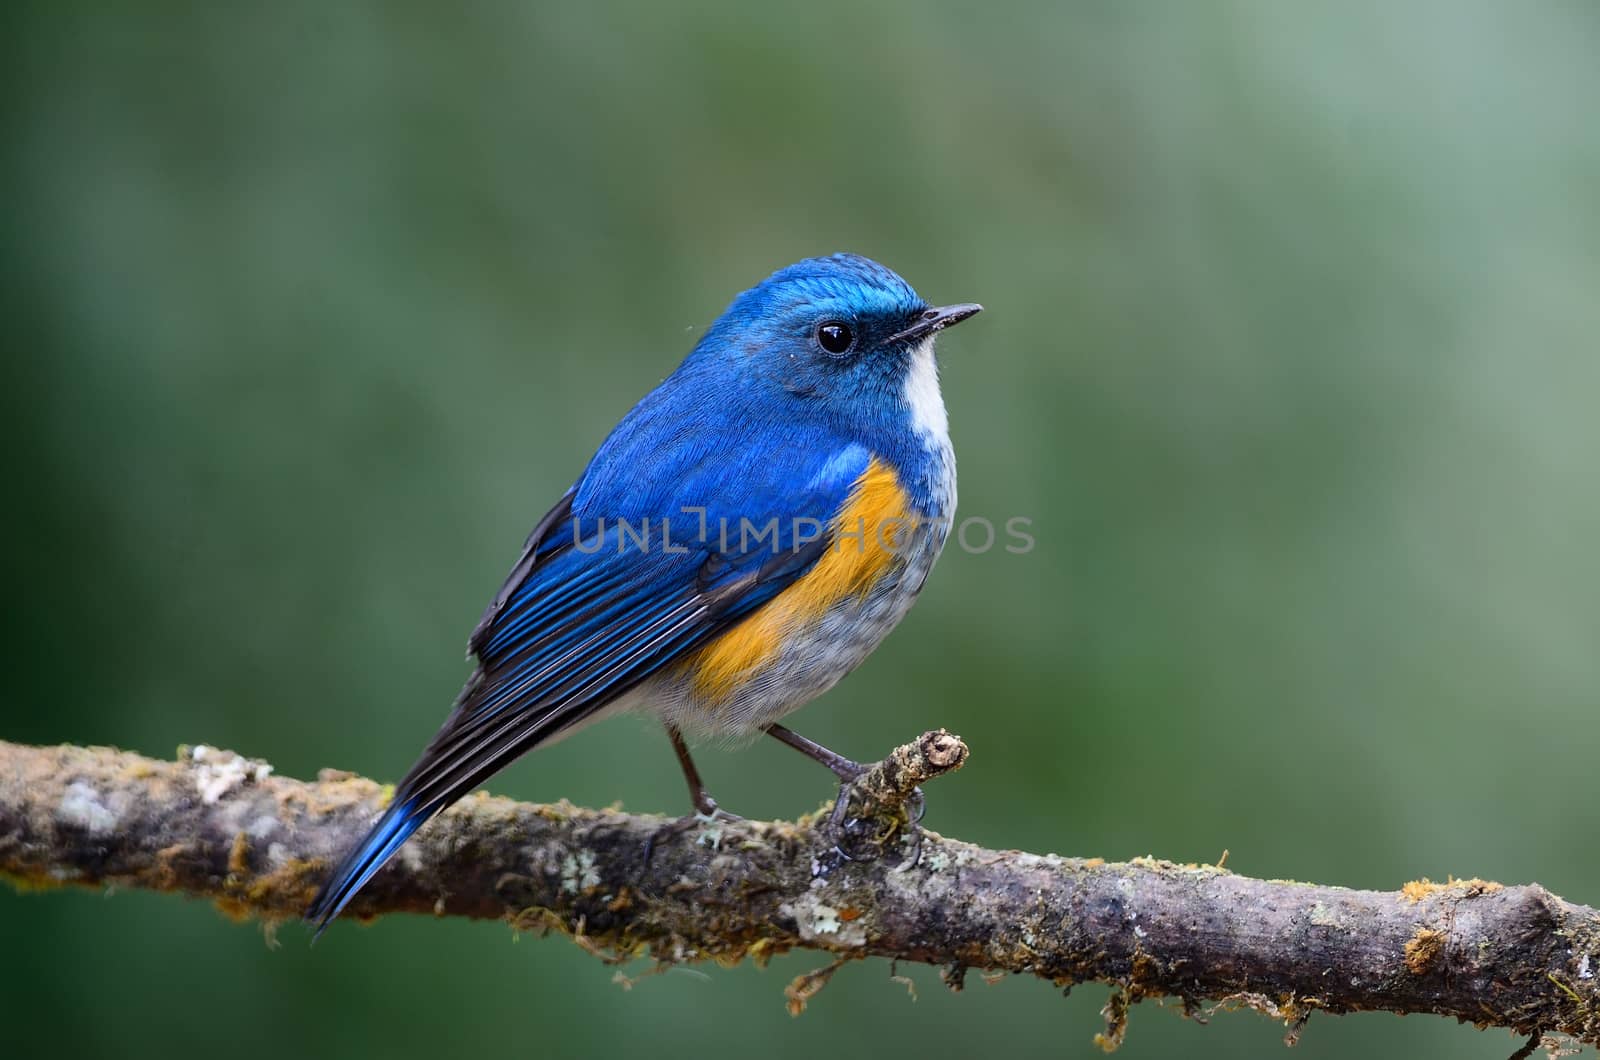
x=806 y=660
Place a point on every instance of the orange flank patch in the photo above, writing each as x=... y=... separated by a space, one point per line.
x=866 y=535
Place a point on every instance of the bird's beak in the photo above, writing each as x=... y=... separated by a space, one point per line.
x=936 y=320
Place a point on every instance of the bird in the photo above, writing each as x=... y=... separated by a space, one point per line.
x=743 y=538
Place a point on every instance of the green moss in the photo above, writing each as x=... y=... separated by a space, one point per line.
x=31 y=883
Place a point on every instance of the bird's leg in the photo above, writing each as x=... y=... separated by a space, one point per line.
x=705 y=807
x=704 y=804
x=848 y=772
x=842 y=767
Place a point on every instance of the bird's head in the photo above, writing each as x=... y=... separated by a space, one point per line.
x=842 y=334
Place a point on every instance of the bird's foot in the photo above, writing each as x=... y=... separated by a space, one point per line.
x=866 y=838
x=916 y=806
x=708 y=816
x=841 y=803
x=877 y=803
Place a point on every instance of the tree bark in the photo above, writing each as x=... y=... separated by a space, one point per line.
x=219 y=826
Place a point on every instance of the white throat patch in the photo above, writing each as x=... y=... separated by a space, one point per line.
x=923 y=399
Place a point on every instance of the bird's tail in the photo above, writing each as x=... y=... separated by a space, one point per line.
x=362 y=863
x=472 y=746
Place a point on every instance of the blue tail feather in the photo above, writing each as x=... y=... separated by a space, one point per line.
x=361 y=864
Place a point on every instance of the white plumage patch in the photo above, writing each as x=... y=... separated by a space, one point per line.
x=922 y=397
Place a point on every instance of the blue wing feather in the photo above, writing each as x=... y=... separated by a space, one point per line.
x=586 y=614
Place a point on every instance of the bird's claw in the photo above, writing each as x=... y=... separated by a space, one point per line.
x=916 y=806
x=700 y=818
x=855 y=841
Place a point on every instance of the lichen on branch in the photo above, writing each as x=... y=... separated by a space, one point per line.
x=623 y=886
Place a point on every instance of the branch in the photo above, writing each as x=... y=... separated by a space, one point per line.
x=218 y=826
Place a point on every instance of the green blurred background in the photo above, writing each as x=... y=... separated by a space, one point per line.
x=1290 y=356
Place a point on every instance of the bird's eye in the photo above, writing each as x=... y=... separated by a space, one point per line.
x=835 y=336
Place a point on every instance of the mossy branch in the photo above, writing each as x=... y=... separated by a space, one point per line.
x=218 y=826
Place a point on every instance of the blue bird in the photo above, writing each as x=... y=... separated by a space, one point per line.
x=745 y=537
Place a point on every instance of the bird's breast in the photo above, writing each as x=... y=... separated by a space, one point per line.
x=883 y=542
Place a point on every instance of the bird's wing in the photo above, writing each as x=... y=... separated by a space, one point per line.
x=588 y=613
